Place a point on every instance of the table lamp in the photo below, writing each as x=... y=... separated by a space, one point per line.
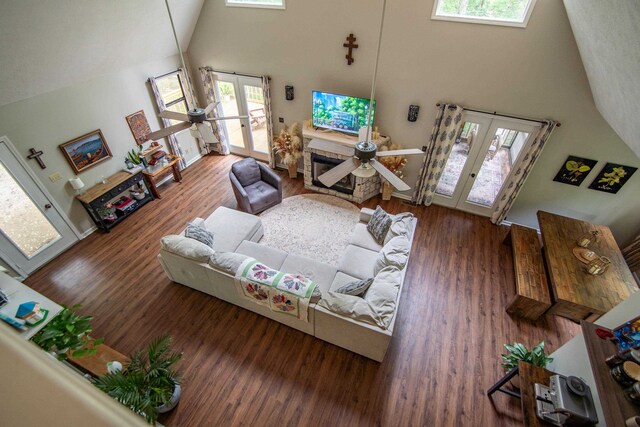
x=76 y=183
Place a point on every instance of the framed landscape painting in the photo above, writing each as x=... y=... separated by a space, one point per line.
x=574 y=170
x=612 y=177
x=139 y=126
x=86 y=151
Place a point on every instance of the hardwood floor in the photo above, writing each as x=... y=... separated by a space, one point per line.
x=243 y=369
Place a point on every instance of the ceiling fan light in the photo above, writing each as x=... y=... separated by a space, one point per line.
x=364 y=171
x=193 y=130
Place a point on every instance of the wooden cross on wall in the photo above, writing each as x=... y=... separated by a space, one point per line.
x=36 y=155
x=351 y=45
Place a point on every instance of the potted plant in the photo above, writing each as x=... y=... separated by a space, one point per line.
x=518 y=351
x=395 y=164
x=68 y=333
x=288 y=145
x=149 y=384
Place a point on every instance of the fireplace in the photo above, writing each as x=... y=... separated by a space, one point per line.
x=321 y=164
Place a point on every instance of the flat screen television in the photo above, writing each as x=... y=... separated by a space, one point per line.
x=340 y=112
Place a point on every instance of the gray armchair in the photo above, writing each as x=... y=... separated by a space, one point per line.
x=257 y=188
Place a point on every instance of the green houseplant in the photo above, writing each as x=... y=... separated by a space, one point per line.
x=68 y=332
x=518 y=351
x=149 y=385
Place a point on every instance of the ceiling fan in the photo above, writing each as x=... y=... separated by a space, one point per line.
x=196 y=117
x=363 y=162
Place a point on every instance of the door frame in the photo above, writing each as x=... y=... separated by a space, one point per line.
x=54 y=205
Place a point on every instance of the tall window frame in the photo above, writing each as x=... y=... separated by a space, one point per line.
x=443 y=16
x=172 y=93
x=260 y=4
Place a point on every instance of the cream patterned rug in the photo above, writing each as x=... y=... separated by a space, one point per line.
x=317 y=226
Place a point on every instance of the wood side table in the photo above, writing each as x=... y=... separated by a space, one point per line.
x=153 y=172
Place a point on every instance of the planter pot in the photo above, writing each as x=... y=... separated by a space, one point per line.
x=387 y=189
x=515 y=382
x=293 y=171
x=173 y=402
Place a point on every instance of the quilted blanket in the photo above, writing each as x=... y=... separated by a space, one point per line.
x=282 y=292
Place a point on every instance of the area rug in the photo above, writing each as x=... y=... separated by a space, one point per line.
x=317 y=226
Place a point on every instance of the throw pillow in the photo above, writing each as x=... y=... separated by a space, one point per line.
x=229 y=262
x=379 y=224
x=200 y=234
x=383 y=293
x=395 y=253
x=355 y=288
x=199 y=222
x=355 y=308
x=188 y=248
x=401 y=225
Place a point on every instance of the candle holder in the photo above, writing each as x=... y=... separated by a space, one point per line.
x=598 y=265
x=588 y=238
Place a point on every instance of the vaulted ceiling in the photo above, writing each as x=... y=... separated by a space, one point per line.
x=48 y=45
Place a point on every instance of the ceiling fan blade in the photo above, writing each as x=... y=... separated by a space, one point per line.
x=209 y=108
x=334 y=175
x=172 y=115
x=215 y=119
x=168 y=131
x=207 y=133
x=389 y=176
x=404 y=152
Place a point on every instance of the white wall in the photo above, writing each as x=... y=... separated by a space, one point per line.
x=534 y=72
x=46 y=121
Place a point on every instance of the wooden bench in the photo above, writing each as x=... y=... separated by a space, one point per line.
x=532 y=296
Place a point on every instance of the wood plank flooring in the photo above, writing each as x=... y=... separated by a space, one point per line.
x=243 y=369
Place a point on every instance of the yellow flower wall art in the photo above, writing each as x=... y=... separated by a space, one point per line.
x=612 y=177
x=574 y=170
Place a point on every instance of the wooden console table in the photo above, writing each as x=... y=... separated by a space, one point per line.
x=153 y=172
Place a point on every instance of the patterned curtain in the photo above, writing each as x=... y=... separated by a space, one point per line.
x=192 y=102
x=174 y=147
x=443 y=136
x=266 y=89
x=511 y=188
x=206 y=73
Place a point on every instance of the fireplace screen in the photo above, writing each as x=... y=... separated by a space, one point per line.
x=321 y=164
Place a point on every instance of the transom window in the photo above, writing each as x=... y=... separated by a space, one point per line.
x=271 y=4
x=172 y=94
x=496 y=12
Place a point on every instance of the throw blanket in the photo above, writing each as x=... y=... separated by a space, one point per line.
x=281 y=292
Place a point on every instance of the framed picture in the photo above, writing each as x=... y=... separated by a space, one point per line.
x=574 y=170
x=86 y=151
x=612 y=177
x=139 y=126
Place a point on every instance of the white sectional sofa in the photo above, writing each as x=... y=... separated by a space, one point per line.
x=363 y=325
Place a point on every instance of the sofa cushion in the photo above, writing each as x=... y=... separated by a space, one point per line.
x=340 y=280
x=356 y=288
x=395 y=253
x=322 y=274
x=358 y=262
x=229 y=262
x=355 y=308
x=185 y=247
x=383 y=294
x=201 y=234
x=246 y=171
x=379 y=224
x=261 y=195
x=231 y=227
x=361 y=237
x=401 y=225
x=267 y=255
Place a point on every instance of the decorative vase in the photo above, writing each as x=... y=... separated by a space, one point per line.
x=293 y=170
x=387 y=189
x=177 y=390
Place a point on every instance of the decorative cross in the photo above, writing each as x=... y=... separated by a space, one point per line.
x=36 y=155
x=351 y=45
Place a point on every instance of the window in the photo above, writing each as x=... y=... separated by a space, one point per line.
x=496 y=12
x=172 y=94
x=271 y=4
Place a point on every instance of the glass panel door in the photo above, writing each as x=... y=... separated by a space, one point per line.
x=254 y=98
x=229 y=106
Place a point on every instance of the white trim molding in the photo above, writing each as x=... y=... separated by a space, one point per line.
x=255 y=4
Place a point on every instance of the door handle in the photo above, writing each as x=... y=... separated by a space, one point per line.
x=48 y=206
x=242 y=124
x=473 y=175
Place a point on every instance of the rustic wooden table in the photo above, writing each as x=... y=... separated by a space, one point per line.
x=154 y=172
x=577 y=294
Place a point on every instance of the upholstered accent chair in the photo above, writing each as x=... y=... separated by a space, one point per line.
x=257 y=188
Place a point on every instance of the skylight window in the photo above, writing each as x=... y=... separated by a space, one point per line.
x=494 y=12
x=271 y=4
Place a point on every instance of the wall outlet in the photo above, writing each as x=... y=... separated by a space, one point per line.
x=55 y=177
x=281 y=119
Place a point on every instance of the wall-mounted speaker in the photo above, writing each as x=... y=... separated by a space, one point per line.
x=413 y=113
x=288 y=92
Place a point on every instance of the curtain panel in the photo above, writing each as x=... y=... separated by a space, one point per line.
x=443 y=136
x=266 y=89
x=512 y=187
x=174 y=147
x=192 y=102
x=208 y=78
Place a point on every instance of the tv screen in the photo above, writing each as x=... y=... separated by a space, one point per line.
x=340 y=112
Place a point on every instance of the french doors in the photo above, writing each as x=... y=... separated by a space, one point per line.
x=485 y=154
x=243 y=96
x=32 y=231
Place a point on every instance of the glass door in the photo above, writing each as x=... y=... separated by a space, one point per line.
x=243 y=96
x=482 y=159
x=32 y=231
